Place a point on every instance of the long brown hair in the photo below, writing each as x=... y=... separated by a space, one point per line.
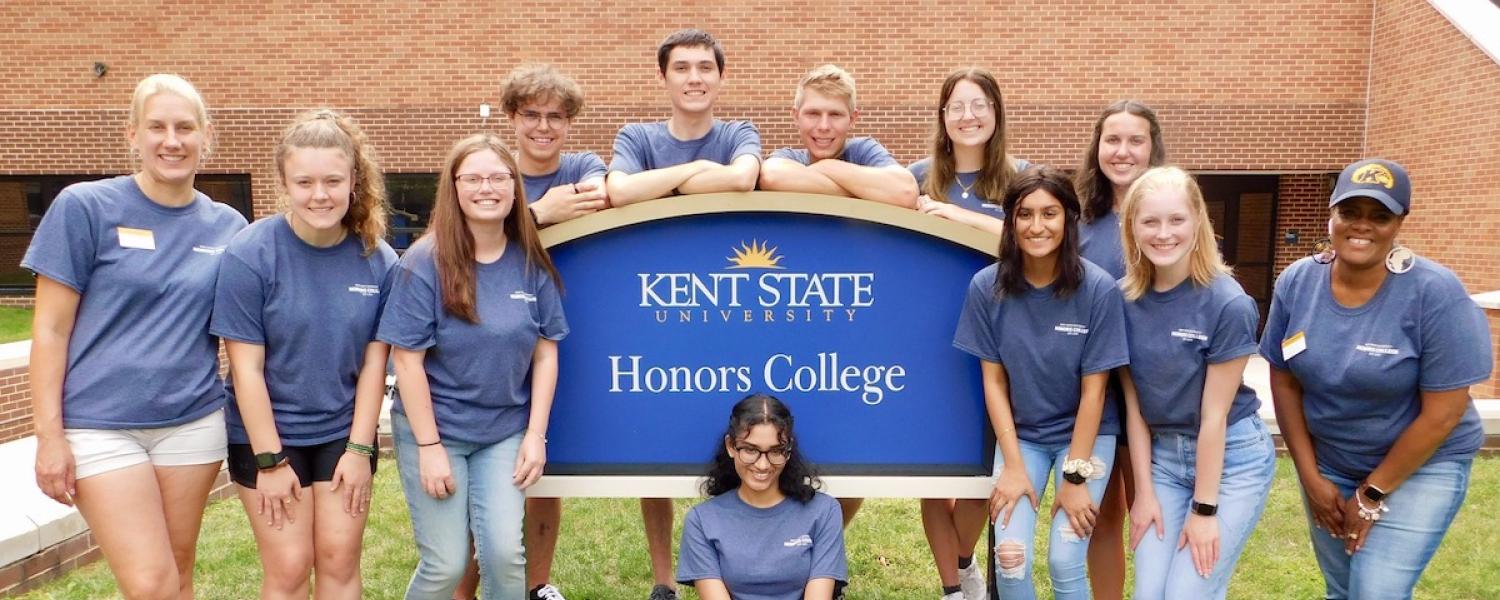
x=453 y=243
x=998 y=169
x=327 y=128
x=1094 y=189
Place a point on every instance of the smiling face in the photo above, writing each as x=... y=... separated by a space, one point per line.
x=1041 y=223
x=170 y=138
x=823 y=121
x=963 y=126
x=692 y=79
x=760 y=476
x=1124 y=148
x=486 y=190
x=317 y=182
x=1363 y=231
x=1164 y=227
x=541 y=128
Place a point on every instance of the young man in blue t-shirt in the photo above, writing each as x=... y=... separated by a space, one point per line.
x=691 y=153
x=830 y=162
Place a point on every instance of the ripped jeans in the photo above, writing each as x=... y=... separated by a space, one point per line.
x=1067 y=553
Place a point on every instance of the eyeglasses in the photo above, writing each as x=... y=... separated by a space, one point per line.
x=955 y=110
x=472 y=183
x=554 y=120
x=750 y=455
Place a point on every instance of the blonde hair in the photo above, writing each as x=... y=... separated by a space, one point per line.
x=828 y=80
x=1204 y=262
x=327 y=128
x=163 y=82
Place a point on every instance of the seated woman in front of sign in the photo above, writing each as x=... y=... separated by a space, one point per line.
x=302 y=449
x=1047 y=327
x=1372 y=352
x=473 y=319
x=766 y=533
x=968 y=169
x=1203 y=458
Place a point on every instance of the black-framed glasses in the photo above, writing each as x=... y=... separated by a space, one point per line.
x=533 y=118
x=498 y=181
x=955 y=110
x=750 y=455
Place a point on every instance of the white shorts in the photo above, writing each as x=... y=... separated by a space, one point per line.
x=199 y=442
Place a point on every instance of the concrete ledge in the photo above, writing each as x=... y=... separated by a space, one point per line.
x=15 y=355
x=1488 y=300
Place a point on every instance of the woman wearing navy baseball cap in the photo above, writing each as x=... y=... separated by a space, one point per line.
x=1372 y=353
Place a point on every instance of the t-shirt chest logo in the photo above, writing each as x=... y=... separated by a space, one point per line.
x=1071 y=329
x=209 y=250
x=799 y=541
x=1190 y=335
x=1377 y=350
x=523 y=296
x=365 y=289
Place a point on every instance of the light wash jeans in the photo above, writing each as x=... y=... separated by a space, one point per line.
x=485 y=503
x=1161 y=570
x=1401 y=542
x=1067 y=553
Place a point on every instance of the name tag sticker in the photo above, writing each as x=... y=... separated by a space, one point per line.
x=136 y=238
x=1293 y=346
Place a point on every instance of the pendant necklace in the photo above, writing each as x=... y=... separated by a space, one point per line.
x=965 y=188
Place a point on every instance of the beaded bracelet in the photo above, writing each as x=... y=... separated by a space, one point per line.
x=360 y=449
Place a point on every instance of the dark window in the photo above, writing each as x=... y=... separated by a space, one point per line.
x=1243 y=210
x=411 y=196
x=25 y=198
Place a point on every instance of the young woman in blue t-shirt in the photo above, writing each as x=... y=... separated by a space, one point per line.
x=126 y=395
x=1203 y=459
x=765 y=533
x=968 y=167
x=474 y=318
x=1372 y=352
x=1047 y=327
x=302 y=439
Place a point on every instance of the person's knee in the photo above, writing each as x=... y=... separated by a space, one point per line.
x=338 y=563
x=444 y=567
x=1070 y=554
x=287 y=568
x=158 y=583
x=1010 y=559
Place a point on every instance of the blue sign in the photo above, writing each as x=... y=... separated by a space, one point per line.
x=848 y=321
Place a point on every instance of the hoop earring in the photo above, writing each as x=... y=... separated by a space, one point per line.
x=1400 y=260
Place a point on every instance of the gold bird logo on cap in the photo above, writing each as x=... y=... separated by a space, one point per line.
x=1374 y=173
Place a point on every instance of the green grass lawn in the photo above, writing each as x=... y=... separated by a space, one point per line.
x=602 y=552
x=15 y=324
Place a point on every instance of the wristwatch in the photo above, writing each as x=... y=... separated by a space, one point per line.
x=1204 y=509
x=266 y=461
x=1077 y=470
x=1373 y=494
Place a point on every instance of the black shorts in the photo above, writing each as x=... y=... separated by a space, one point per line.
x=310 y=463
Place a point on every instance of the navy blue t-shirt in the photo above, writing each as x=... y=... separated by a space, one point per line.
x=763 y=553
x=647 y=146
x=1174 y=336
x=479 y=373
x=313 y=310
x=1099 y=242
x=1363 y=369
x=140 y=355
x=862 y=151
x=1047 y=344
x=976 y=201
x=572 y=167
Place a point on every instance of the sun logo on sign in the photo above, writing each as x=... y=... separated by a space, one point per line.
x=755 y=255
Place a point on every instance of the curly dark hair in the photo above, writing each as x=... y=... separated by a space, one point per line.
x=1012 y=276
x=799 y=478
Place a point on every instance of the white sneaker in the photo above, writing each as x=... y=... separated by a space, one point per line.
x=546 y=592
x=954 y=596
x=972 y=582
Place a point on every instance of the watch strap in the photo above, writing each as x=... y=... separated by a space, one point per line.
x=1204 y=509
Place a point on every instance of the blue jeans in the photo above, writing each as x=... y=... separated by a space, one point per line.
x=1067 y=552
x=485 y=503
x=1161 y=570
x=1401 y=543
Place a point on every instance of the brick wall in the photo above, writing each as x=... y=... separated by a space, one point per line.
x=15 y=404
x=1303 y=206
x=1262 y=86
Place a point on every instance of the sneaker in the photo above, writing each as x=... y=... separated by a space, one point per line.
x=954 y=596
x=546 y=591
x=972 y=582
x=662 y=592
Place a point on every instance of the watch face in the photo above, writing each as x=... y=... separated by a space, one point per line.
x=1373 y=494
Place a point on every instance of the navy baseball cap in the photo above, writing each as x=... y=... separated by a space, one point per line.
x=1381 y=180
